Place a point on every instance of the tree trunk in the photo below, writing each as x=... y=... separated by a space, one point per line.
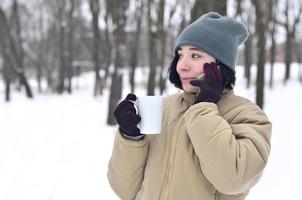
x=202 y=6
x=290 y=37
x=3 y=48
x=19 y=53
x=272 y=55
x=135 y=47
x=288 y=56
x=220 y=6
x=39 y=67
x=26 y=85
x=17 y=38
x=116 y=85
x=152 y=54
x=70 y=41
x=152 y=67
x=7 y=79
x=39 y=61
x=119 y=19
x=95 y=9
x=162 y=45
x=11 y=53
x=298 y=51
x=62 y=49
x=115 y=96
x=248 y=60
x=261 y=28
x=7 y=90
x=107 y=51
x=238 y=8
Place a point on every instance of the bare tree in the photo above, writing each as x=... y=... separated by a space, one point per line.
x=199 y=7
x=3 y=48
x=162 y=44
x=61 y=6
x=203 y=6
x=16 y=34
x=39 y=61
x=245 y=13
x=248 y=59
x=220 y=6
x=273 y=8
x=118 y=14
x=7 y=78
x=107 y=44
x=70 y=40
x=298 y=50
x=135 y=43
x=290 y=27
x=12 y=45
x=95 y=10
x=152 y=53
x=157 y=37
x=261 y=28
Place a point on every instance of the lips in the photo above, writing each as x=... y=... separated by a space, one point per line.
x=187 y=79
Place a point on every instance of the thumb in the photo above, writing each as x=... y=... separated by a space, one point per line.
x=196 y=83
x=131 y=97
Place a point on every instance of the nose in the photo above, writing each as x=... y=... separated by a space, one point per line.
x=183 y=64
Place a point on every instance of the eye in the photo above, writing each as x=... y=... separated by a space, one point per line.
x=196 y=55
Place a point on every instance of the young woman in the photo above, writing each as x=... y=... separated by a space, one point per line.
x=213 y=144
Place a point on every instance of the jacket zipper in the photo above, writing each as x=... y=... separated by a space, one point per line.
x=169 y=171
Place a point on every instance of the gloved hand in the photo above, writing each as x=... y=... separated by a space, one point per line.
x=211 y=87
x=127 y=118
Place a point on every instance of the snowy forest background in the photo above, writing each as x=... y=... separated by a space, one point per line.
x=65 y=64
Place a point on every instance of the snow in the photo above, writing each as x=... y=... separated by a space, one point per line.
x=57 y=147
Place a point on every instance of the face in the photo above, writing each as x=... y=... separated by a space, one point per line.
x=190 y=65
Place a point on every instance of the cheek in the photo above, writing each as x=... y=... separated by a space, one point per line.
x=198 y=68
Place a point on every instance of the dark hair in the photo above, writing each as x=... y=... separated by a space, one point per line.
x=227 y=75
x=173 y=75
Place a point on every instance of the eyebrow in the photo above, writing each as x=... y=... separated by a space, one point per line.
x=191 y=48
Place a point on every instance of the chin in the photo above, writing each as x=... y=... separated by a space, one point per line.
x=190 y=89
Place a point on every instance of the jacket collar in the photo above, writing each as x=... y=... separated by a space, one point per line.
x=188 y=98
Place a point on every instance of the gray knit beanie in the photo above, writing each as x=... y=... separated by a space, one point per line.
x=218 y=36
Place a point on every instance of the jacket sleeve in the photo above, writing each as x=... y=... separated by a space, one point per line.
x=126 y=166
x=232 y=155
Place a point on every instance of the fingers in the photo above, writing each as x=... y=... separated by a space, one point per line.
x=209 y=70
x=125 y=106
x=196 y=83
x=132 y=117
x=201 y=84
x=212 y=72
x=129 y=107
x=131 y=97
x=216 y=72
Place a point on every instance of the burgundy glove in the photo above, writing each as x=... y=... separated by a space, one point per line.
x=211 y=86
x=127 y=118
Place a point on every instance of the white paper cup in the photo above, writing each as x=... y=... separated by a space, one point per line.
x=150 y=109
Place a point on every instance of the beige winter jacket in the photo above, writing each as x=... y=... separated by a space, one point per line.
x=204 y=152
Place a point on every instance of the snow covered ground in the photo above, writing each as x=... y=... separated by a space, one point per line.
x=57 y=147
